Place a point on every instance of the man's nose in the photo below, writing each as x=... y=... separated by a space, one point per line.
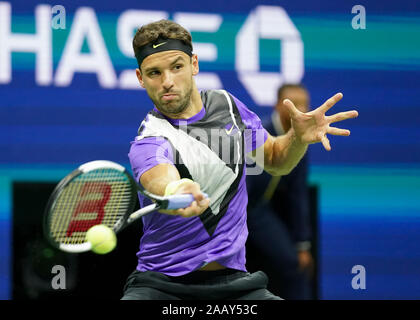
x=167 y=81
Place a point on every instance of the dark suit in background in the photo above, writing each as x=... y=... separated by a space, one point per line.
x=279 y=224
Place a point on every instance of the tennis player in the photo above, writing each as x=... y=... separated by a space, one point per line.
x=197 y=142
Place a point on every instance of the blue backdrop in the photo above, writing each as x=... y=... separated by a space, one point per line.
x=68 y=95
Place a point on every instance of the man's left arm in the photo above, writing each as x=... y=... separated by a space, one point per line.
x=279 y=155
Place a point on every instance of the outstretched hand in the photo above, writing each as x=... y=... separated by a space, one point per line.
x=312 y=127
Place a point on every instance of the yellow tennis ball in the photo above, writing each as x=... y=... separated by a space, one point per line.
x=102 y=239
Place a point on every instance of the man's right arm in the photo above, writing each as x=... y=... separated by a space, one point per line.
x=157 y=179
x=152 y=162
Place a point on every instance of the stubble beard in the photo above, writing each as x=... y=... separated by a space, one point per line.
x=175 y=107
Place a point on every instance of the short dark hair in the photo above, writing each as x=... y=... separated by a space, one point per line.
x=165 y=29
x=289 y=86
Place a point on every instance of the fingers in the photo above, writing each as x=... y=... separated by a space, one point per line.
x=338 y=132
x=342 y=116
x=331 y=102
x=334 y=131
x=195 y=209
x=326 y=143
x=196 y=192
x=291 y=108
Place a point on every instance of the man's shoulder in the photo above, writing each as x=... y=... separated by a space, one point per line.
x=214 y=94
x=152 y=125
x=217 y=101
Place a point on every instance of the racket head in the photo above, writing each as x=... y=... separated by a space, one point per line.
x=98 y=192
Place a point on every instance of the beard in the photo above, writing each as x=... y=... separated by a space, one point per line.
x=177 y=106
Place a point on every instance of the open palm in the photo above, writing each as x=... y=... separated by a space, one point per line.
x=312 y=127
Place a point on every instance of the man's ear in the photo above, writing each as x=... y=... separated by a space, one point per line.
x=194 y=62
x=140 y=77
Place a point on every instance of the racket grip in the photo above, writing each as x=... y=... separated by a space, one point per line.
x=181 y=200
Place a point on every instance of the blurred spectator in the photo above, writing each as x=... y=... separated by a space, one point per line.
x=278 y=212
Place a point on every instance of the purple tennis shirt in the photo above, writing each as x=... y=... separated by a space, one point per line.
x=209 y=148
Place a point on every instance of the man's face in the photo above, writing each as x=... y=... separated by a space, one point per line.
x=300 y=99
x=167 y=77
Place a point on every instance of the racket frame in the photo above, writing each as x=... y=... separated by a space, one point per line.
x=127 y=218
x=83 y=169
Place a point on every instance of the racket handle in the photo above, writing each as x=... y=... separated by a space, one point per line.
x=181 y=200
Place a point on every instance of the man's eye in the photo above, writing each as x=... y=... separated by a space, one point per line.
x=154 y=73
x=178 y=66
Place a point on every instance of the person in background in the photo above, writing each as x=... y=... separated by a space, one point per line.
x=278 y=211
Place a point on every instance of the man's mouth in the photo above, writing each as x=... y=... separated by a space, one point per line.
x=169 y=96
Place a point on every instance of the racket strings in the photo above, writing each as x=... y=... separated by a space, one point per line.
x=101 y=196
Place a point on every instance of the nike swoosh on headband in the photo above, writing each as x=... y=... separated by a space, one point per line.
x=158 y=45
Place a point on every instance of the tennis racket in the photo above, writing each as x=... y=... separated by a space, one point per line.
x=98 y=192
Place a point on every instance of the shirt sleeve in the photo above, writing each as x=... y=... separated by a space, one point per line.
x=255 y=134
x=149 y=152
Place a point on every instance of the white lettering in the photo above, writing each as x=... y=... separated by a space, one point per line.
x=205 y=51
x=175 y=310
x=59 y=19
x=127 y=25
x=359 y=20
x=58 y=281
x=85 y=26
x=268 y=22
x=359 y=280
x=38 y=43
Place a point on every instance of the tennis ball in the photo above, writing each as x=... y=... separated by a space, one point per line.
x=102 y=239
